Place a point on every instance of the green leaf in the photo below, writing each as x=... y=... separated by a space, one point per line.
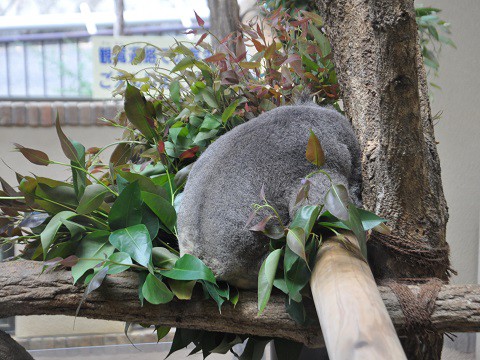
x=321 y=40
x=155 y=291
x=92 y=199
x=336 y=201
x=229 y=111
x=287 y=349
x=305 y=218
x=175 y=92
x=189 y=267
x=94 y=284
x=216 y=294
x=183 y=64
x=162 y=331
x=162 y=208
x=314 y=152
x=150 y=220
x=182 y=289
x=369 y=220
x=266 y=276
x=135 y=241
x=36 y=157
x=121 y=258
x=355 y=224
x=209 y=98
x=205 y=135
x=126 y=210
x=296 y=310
x=296 y=241
x=296 y=274
x=93 y=246
x=79 y=176
x=47 y=236
x=210 y=122
x=136 y=111
x=254 y=349
x=163 y=258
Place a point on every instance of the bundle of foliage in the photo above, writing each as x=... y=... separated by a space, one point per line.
x=433 y=32
x=121 y=215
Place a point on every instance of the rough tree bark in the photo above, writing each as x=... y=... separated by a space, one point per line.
x=11 y=350
x=385 y=95
x=25 y=292
x=224 y=18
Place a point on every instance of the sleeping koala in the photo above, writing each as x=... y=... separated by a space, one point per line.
x=227 y=178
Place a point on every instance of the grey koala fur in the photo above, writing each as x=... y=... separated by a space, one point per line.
x=227 y=178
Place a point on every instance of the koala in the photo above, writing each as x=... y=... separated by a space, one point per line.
x=268 y=151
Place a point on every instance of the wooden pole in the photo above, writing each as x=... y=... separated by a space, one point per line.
x=352 y=315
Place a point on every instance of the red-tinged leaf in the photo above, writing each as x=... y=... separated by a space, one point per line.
x=250 y=218
x=93 y=150
x=314 y=152
x=201 y=39
x=258 y=45
x=262 y=193
x=69 y=261
x=216 y=57
x=249 y=64
x=299 y=22
x=292 y=58
x=36 y=157
x=190 y=153
x=10 y=191
x=67 y=146
x=270 y=51
x=241 y=57
x=260 y=32
x=161 y=147
x=200 y=21
x=303 y=192
x=226 y=38
x=261 y=225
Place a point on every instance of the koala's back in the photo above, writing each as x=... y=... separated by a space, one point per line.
x=226 y=180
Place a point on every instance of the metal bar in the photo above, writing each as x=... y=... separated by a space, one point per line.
x=84 y=34
x=44 y=68
x=79 y=76
x=25 y=63
x=7 y=62
x=61 y=66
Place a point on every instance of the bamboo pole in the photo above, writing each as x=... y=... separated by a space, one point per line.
x=352 y=315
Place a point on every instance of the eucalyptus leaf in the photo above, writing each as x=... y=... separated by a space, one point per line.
x=121 y=258
x=296 y=242
x=136 y=110
x=163 y=258
x=92 y=199
x=182 y=289
x=93 y=246
x=162 y=208
x=135 y=241
x=155 y=291
x=336 y=201
x=266 y=277
x=47 y=236
x=126 y=210
x=189 y=267
x=94 y=284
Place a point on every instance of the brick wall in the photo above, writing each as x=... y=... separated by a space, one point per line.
x=43 y=113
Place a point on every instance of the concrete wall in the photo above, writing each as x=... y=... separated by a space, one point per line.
x=45 y=139
x=458 y=133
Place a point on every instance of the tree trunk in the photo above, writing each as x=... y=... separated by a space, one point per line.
x=385 y=95
x=25 y=291
x=11 y=350
x=224 y=18
x=119 y=25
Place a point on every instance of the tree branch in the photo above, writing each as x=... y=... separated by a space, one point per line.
x=25 y=292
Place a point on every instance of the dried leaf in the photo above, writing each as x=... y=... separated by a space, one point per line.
x=314 y=152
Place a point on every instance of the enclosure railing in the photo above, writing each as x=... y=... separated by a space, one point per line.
x=56 y=65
